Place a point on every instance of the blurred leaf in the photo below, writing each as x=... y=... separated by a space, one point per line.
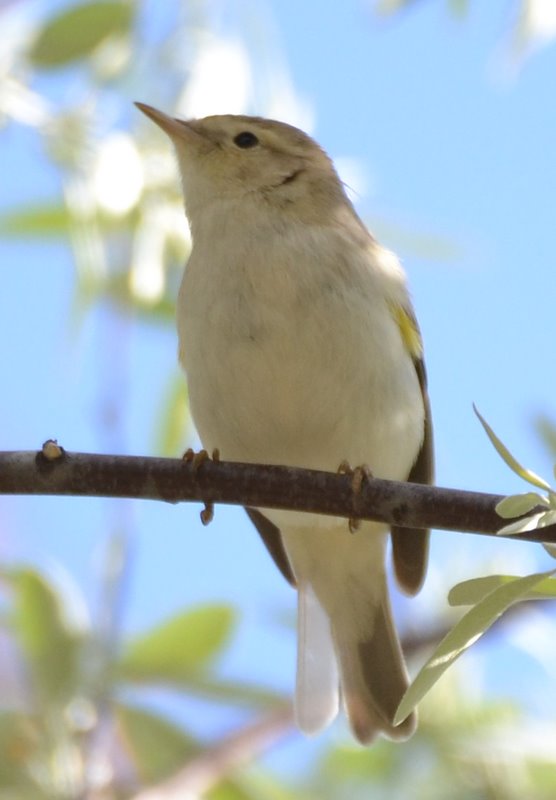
x=39 y=220
x=543 y=776
x=352 y=762
x=228 y=790
x=517 y=505
x=174 y=417
x=466 y=632
x=548 y=517
x=50 y=219
x=116 y=287
x=470 y=592
x=179 y=646
x=255 y=786
x=17 y=745
x=459 y=7
x=158 y=747
x=51 y=643
x=25 y=793
x=532 y=523
x=74 y=33
x=392 y=6
x=229 y=691
x=546 y=428
x=512 y=463
x=430 y=247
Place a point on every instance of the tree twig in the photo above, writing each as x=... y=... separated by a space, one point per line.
x=53 y=471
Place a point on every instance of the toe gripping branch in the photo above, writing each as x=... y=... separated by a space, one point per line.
x=358 y=476
x=197 y=460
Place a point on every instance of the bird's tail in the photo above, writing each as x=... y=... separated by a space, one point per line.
x=371 y=670
x=373 y=675
x=317 y=681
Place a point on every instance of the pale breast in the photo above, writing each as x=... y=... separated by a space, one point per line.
x=295 y=359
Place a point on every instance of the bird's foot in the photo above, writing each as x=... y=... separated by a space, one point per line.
x=196 y=460
x=358 y=474
x=199 y=457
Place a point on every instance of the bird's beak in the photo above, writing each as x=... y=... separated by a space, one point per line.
x=173 y=127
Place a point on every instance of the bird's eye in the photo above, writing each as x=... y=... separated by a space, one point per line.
x=246 y=139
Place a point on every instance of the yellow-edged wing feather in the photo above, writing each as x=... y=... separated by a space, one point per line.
x=410 y=546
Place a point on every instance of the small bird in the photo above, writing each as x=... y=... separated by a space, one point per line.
x=301 y=348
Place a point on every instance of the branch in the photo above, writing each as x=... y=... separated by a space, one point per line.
x=53 y=471
x=240 y=747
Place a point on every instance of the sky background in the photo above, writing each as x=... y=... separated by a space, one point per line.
x=452 y=154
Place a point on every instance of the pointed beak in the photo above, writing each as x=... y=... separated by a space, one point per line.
x=173 y=127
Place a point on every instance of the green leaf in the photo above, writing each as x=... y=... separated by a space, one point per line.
x=534 y=522
x=18 y=744
x=254 y=786
x=174 y=416
x=548 y=518
x=368 y=765
x=392 y=6
x=179 y=647
x=74 y=33
x=466 y=632
x=232 y=692
x=470 y=592
x=116 y=287
x=32 y=792
x=531 y=523
x=38 y=221
x=512 y=463
x=517 y=505
x=546 y=429
x=157 y=746
x=230 y=790
x=51 y=642
x=459 y=7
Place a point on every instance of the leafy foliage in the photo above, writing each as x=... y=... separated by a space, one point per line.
x=494 y=595
x=65 y=695
x=52 y=644
x=158 y=747
x=465 y=633
x=181 y=646
x=77 y=32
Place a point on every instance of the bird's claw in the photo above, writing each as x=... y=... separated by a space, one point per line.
x=199 y=457
x=358 y=474
x=207 y=514
x=196 y=459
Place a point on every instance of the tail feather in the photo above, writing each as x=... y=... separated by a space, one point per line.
x=317 y=688
x=346 y=627
x=373 y=677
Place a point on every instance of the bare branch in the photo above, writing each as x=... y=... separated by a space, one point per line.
x=53 y=471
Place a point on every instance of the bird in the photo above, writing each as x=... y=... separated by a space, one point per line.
x=301 y=347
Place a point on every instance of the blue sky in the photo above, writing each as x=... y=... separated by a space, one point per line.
x=450 y=146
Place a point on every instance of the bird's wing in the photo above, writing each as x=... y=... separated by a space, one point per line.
x=274 y=543
x=410 y=546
